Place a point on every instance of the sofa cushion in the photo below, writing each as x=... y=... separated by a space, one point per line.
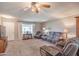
x=56 y=36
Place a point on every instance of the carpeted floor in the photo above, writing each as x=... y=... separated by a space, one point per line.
x=29 y=47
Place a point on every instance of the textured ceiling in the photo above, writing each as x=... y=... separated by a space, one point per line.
x=58 y=10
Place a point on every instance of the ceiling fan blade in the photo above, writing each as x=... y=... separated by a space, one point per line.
x=26 y=8
x=23 y=9
x=45 y=5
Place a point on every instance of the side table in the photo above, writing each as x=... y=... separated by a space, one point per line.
x=27 y=36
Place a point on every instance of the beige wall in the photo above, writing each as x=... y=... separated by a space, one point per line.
x=19 y=31
x=61 y=24
x=52 y=25
x=1 y=20
x=38 y=27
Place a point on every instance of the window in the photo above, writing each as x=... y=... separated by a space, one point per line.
x=27 y=28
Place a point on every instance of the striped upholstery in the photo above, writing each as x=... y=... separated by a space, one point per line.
x=54 y=36
x=71 y=49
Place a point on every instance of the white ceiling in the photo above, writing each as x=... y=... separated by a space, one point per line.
x=58 y=10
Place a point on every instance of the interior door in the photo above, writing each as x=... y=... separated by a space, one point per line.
x=9 y=30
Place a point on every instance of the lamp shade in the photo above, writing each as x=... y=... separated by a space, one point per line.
x=66 y=30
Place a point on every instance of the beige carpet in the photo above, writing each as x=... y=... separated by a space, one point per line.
x=29 y=47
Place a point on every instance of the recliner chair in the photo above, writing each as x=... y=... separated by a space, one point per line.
x=38 y=35
x=70 y=50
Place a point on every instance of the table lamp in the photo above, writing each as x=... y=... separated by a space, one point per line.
x=66 y=33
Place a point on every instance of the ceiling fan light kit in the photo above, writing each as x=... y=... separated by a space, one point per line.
x=36 y=7
x=46 y=5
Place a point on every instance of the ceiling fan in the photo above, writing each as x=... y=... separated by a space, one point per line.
x=35 y=6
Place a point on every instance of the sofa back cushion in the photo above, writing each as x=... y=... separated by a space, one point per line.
x=55 y=36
